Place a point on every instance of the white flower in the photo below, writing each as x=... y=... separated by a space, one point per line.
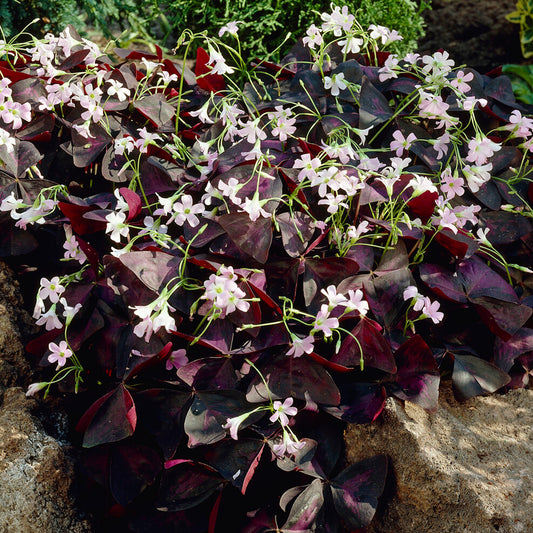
x=118 y=89
x=116 y=226
x=335 y=83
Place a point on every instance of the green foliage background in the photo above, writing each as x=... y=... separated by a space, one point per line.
x=265 y=23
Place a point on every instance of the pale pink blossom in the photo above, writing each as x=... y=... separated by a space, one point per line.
x=300 y=346
x=313 y=37
x=460 y=82
x=59 y=353
x=185 y=210
x=231 y=27
x=177 y=359
x=282 y=411
x=51 y=289
x=355 y=302
x=323 y=322
x=400 y=143
x=308 y=166
x=431 y=310
x=49 y=320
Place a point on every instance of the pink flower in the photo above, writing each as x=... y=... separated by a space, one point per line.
x=288 y=445
x=282 y=411
x=60 y=353
x=355 y=302
x=451 y=185
x=460 y=82
x=411 y=293
x=301 y=346
x=230 y=27
x=313 y=37
x=51 y=289
x=323 y=322
x=49 y=319
x=35 y=388
x=186 y=211
x=431 y=310
x=334 y=298
x=177 y=359
x=233 y=424
x=308 y=166
x=480 y=149
x=401 y=143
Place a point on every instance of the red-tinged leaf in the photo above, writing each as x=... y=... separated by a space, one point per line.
x=423 y=205
x=305 y=509
x=74 y=59
x=214 y=514
x=376 y=351
x=505 y=352
x=133 y=468
x=252 y=237
x=479 y=280
x=503 y=318
x=139 y=364
x=90 y=253
x=206 y=81
x=418 y=374
x=155 y=108
x=236 y=461
x=393 y=259
x=501 y=89
x=110 y=419
x=296 y=231
x=23 y=156
x=505 y=228
x=442 y=282
x=357 y=489
x=160 y=412
x=209 y=373
x=473 y=376
x=39 y=345
x=374 y=107
x=81 y=225
x=326 y=363
x=91 y=325
x=134 y=202
x=210 y=410
x=288 y=376
x=38 y=130
x=458 y=244
x=320 y=273
x=361 y=403
x=186 y=485
x=113 y=167
x=13 y=75
x=384 y=295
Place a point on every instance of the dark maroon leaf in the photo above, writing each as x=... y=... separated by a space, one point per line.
x=38 y=130
x=374 y=108
x=74 y=59
x=504 y=319
x=23 y=156
x=376 y=351
x=209 y=412
x=505 y=352
x=209 y=373
x=305 y=509
x=505 y=228
x=218 y=336
x=160 y=412
x=185 y=485
x=16 y=241
x=361 y=403
x=418 y=374
x=133 y=468
x=357 y=489
x=384 y=295
x=473 y=376
x=296 y=231
x=479 y=280
x=500 y=89
x=252 y=237
x=28 y=90
x=442 y=282
x=288 y=376
x=393 y=259
x=236 y=461
x=85 y=150
x=139 y=364
x=155 y=108
x=109 y=419
x=320 y=273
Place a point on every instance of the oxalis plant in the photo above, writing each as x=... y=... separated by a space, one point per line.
x=241 y=260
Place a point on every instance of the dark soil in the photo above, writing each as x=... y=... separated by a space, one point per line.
x=474 y=32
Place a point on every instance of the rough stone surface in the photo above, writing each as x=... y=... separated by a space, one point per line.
x=35 y=472
x=466 y=468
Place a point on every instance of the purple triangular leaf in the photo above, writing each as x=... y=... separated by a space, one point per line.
x=505 y=352
x=442 y=282
x=155 y=108
x=473 y=376
x=305 y=509
x=356 y=491
x=374 y=107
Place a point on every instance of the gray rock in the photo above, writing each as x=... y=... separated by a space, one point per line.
x=467 y=468
x=35 y=470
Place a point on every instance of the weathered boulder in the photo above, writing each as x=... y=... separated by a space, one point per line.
x=467 y=468
x=35 y=470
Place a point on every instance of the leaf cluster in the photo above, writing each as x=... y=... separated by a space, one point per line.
x=157 y=441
